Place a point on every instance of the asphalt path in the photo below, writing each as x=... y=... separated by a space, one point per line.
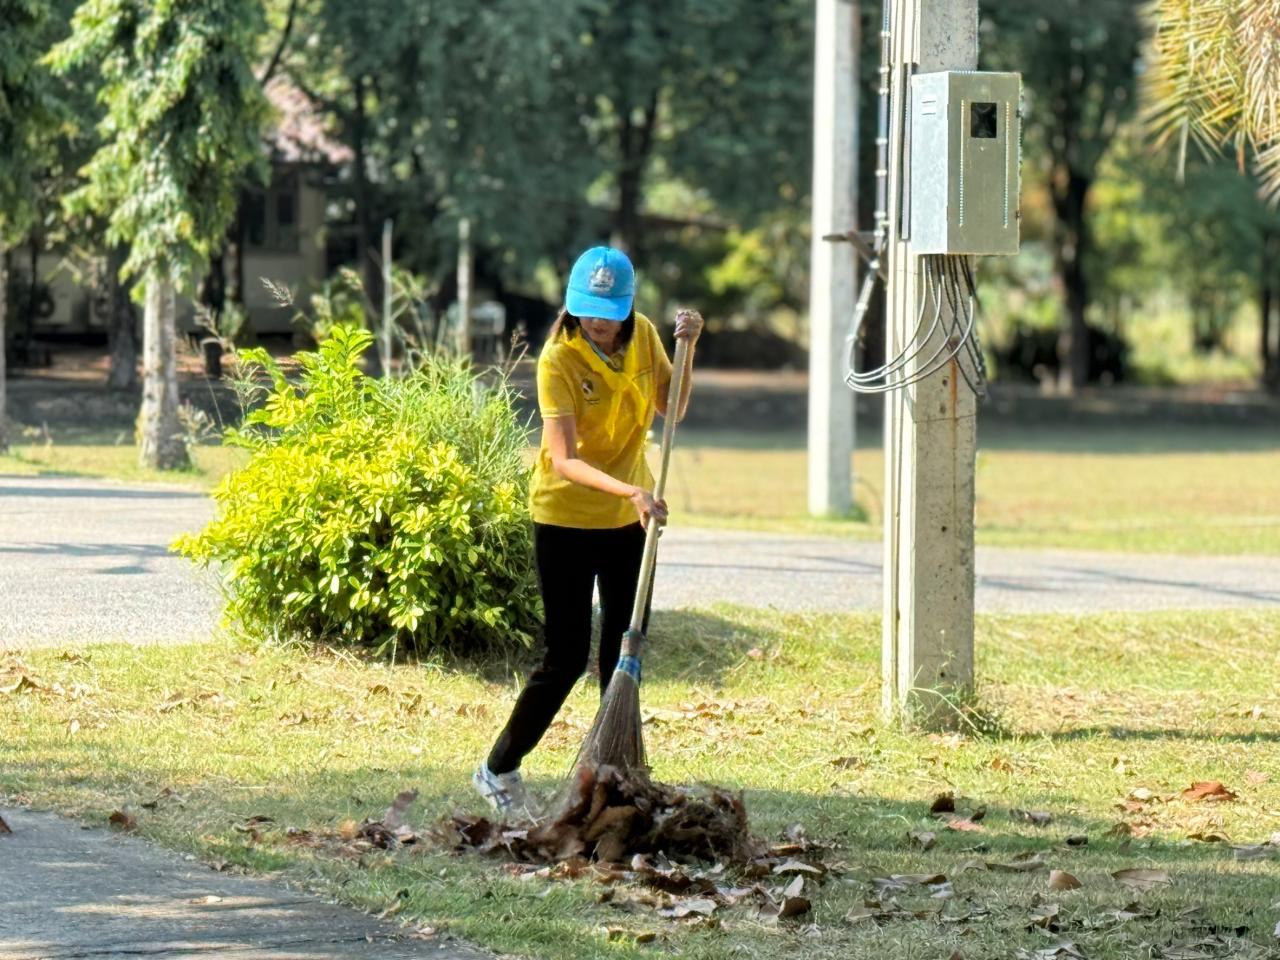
x=73 y=893
x=88 y=560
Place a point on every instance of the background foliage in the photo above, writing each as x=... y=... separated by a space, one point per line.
x=682 y=129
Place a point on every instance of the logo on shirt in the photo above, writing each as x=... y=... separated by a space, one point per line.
x=588 y=388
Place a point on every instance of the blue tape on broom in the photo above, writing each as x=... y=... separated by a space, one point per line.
x=630 y=666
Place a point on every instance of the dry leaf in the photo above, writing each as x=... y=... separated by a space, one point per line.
x=694 y=906
x=793 y=907
x=1037 y=818
x=1061 y=880
x=1209 y=836
x=1044 y=916
x=4 y=827
x=1256 y=778
x=963 y=824
x=860 y=913
x=1024 y=863
x=849 y=763
x=943 y=803
x=794 y=888
x=795 y=866
x=923 y=839
x=21 y=684
x=122 y=820
x=1142 y=879
x=348 y=830
x=1077 y=840
x=1208 y=790
x=902 y=880
x=1064 y=948
x=394 y=818
x=1000 y=765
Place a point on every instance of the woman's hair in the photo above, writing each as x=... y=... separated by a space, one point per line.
x=566 y=323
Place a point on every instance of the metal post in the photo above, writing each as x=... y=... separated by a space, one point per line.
x=386 y=297
x=832 y=278
x=929 y=428
x=464 y=286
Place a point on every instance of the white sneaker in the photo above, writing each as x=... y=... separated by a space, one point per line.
x=504 y=791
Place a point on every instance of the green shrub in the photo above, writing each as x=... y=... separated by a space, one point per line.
x=386 y=513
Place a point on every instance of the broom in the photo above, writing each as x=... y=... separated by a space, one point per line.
x=615 y=738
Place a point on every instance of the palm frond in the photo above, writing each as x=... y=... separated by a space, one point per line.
x=1214 y=78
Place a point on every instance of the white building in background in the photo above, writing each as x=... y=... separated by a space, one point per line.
x=282 y=229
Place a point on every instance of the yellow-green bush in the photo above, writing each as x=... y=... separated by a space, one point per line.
x=387 y=513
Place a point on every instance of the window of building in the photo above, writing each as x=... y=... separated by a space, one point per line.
x=271 y=216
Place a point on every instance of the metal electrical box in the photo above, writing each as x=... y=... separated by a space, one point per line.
x=965 y=150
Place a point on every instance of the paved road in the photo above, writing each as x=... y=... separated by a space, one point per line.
x=74 y=893
x=85 y=560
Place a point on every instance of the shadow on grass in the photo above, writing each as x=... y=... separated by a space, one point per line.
x=869 y=835
x=681 y=645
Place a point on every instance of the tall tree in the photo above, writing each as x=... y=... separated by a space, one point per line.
x=1077 y=59
x=27 y=118
x=453 y=109
x=184 y=115
x=704 y=90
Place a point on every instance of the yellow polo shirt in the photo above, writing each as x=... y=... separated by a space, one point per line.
x=613 y=406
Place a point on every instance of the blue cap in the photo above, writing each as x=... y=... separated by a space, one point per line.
x=602 y=284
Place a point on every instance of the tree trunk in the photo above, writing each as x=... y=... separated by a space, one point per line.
x=367 y=268
x=1071 y=232
x=4 y=309
x=233 y=258
x=635 y=145
x=122 y=328
x=160 y=442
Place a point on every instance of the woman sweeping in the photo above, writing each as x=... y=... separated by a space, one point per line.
x=601 y=377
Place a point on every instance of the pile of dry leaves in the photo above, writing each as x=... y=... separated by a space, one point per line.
x=671 y=849
x=610 y=816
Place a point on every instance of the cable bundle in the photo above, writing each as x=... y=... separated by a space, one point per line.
x=948 y=287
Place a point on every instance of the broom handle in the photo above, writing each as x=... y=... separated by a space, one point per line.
x=651 y=533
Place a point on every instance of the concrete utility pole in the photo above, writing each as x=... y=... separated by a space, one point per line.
x=929 y=427
x=465 y=275
x=832 y=273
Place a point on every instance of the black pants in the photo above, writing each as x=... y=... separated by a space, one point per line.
x=570 y=562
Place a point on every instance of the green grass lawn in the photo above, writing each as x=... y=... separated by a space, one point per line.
x=111 y=454
x=1178 y=489
x=1096 y=721
x=1189 y=489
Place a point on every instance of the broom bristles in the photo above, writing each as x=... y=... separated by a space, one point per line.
x=615 y=738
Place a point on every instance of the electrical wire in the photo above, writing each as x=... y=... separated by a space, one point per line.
x=940 y=284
